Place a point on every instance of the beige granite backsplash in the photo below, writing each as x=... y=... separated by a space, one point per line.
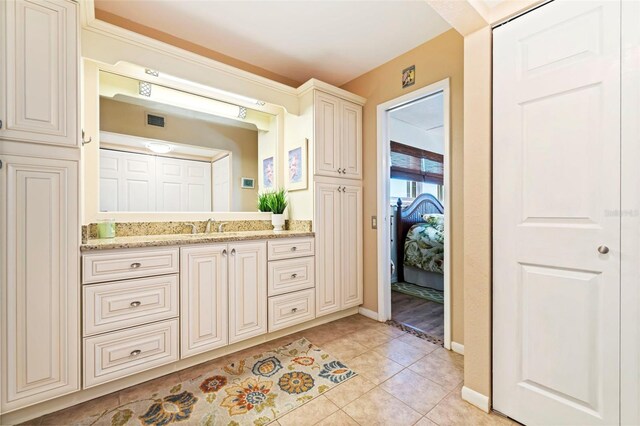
x=132 y=229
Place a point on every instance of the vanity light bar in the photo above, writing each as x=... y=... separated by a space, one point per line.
x=213 y=89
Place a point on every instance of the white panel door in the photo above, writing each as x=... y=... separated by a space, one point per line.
x=40 y=287
x=39 y=78
x=556 y=199
x=328 y=230
x=127 y=182
x=630 y=216
x=221 y=196
x=183 y=185
x=351 y=146
x=203 y=295
x=327 y=135
x=352 y=249
x=247 y=290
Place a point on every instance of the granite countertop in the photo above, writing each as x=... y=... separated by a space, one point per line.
x=184 y=239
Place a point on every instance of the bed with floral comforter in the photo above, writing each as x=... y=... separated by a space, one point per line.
x=424 y=244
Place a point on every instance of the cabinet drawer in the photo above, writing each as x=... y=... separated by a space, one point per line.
x=286 y=249
x=291 y=309
x=285 y=276
x=129 y=264
x=115 y=355
x=114 y=306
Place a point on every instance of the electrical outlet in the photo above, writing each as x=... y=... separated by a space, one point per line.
x=374 y=222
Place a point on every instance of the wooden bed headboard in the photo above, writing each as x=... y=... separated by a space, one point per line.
x=406 y=218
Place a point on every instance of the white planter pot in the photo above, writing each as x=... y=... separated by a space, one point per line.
x=277 y=220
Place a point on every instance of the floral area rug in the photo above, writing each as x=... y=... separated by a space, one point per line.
x=253 y=391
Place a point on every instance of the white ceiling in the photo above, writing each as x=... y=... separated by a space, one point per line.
x=334 y=41
x=426 y=114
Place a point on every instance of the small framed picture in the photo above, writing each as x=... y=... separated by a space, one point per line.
x=297 y=168
x=408 y=76
x=248 y=183
x=268 y=173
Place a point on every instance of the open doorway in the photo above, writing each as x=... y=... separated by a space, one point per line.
x=413 y=150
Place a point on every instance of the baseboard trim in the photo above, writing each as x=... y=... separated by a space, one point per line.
x=476 y=399
x=368 y=313
x=457 y=348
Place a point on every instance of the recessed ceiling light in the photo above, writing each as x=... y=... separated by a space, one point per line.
x=159 y=148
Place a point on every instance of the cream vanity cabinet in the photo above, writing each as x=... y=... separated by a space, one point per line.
x=39 y=78
x=203 y=298
x=39 y=202
x=40 y=282
x=130 y=303
x=224 y=294
x=337 y=137
x=291 y=282
x=339 y=282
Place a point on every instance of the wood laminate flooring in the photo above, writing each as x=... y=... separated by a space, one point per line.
x=425 y=315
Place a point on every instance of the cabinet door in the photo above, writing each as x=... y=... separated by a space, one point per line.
x=328 y=249
x=203 y=291
x=327 y=135
x=351 y=243
x=38 y=99
x=351 y=143
x=247 y=290
x=40 y=291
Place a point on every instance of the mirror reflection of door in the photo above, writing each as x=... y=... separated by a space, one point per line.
x=167 y=150
x=221 y=193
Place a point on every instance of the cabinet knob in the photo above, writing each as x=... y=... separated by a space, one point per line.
x=294 y=309
x=294 y=248
x=339 y=189
x=233 y=252
x=136 y=352
x=603 y=249
x=224 y=252
x=294 y=275
x=135 y=304
x=136 y=265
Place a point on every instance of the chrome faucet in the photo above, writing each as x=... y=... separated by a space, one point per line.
x=207 y=228
x=194 y=229
x=221 y=226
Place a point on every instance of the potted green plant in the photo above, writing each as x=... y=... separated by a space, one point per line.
x=277 y=204
x=263 y=202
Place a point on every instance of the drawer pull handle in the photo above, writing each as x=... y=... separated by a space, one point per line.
x=135 y=304
x=294 y=275
x=294 y=248
x=136 y=265
x=294 y=309
x=136 y=352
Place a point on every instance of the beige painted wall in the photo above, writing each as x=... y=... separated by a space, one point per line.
x=435 y=60
x=121 y=117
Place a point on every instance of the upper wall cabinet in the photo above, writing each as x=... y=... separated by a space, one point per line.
x=39 y=71
x=338 y=137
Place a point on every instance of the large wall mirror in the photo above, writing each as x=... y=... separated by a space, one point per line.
x=166 y=150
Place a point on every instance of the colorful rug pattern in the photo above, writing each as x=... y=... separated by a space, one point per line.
x=418 y=291
x=253 y=391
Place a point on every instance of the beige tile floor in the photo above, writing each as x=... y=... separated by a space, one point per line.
x=403 y=380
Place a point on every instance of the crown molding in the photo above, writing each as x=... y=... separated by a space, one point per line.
x=109 y=44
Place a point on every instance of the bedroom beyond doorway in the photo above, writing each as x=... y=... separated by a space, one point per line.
x=414 y=182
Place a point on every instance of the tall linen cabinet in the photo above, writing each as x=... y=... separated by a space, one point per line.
x=337 y=218
x=39 y=209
